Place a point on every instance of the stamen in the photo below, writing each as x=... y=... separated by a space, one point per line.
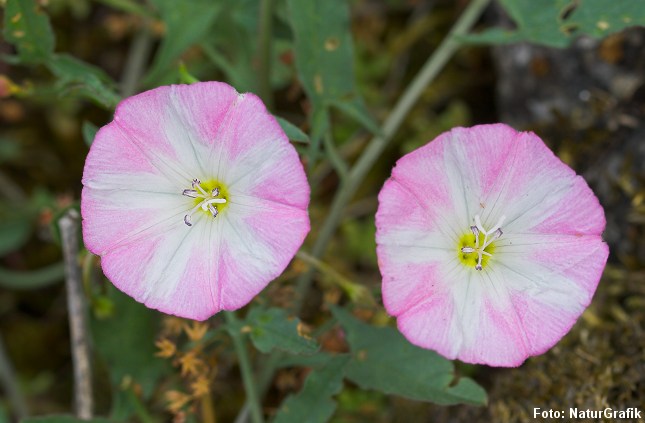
x=495 y=232
x=208 y=204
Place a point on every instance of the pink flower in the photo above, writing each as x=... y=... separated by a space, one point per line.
x=194 y=199
x=488 y=244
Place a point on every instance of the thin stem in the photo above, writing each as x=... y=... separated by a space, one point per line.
x=69 y=231
x=10 y=385
x=348 y=188
x=264 y=54
x=136 y=60
x=245 y=367
x=267 y=369
x=336 y=160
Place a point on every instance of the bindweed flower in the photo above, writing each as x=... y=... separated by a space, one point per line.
x=194 y=199
x=489 y=246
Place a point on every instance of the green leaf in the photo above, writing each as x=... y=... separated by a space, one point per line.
x=89 y=132
x=187 y=22
x=314 y=403
x=324 y=60
x=32 y=279
x=62 y=419
x=83 y=79
x=293 y=132
x=126 y=343
x=28 y=28
x=273 y=329
x=599 y=18
x=382 y=359
x=557 y=23
x=323 y=48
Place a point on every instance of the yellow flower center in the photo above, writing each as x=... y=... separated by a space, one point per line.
x=476 y=248
x=210 y=196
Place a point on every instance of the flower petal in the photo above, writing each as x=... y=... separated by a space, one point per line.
x=543 y=270
x=259 y=239
x=133 y=208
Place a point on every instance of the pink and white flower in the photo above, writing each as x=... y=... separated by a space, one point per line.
x=194 y=199
x=489 y=246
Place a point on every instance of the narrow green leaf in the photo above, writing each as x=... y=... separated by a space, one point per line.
x=62 y=419
x=293 y=132
x=186 y=77
x=314 y=403
x=89 y=132
x=32 y=279
x=382 y=359
x=187 y=22
x=83 y=79
x=272 y=328
x=29 y=29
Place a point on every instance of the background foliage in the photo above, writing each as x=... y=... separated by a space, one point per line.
x=320 y=344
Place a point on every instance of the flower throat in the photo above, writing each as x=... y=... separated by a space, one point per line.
x=209 y=196
x=475 y=252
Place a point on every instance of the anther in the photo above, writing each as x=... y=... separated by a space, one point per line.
x=187 y=220
x=190 y=193
x=489 y=236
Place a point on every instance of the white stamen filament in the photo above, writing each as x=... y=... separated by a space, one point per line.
x=477 y=229
x=207 y=204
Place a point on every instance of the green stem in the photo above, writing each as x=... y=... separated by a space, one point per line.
x=348 y=188
x=334 y=157
x=245 y=367
x=264 y=53
x=136 y=60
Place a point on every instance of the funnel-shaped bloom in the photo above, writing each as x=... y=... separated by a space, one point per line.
x=194 y=199
x=488 y=244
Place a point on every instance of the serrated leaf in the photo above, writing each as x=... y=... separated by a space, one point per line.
x=272 y=328
x=83 y=79
x=293 y=132
x=556 y=23
x=89 y=132
x=29 y=29
x=314 y=403
x=187 y=22
x=62 y=419
x=382 y=359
